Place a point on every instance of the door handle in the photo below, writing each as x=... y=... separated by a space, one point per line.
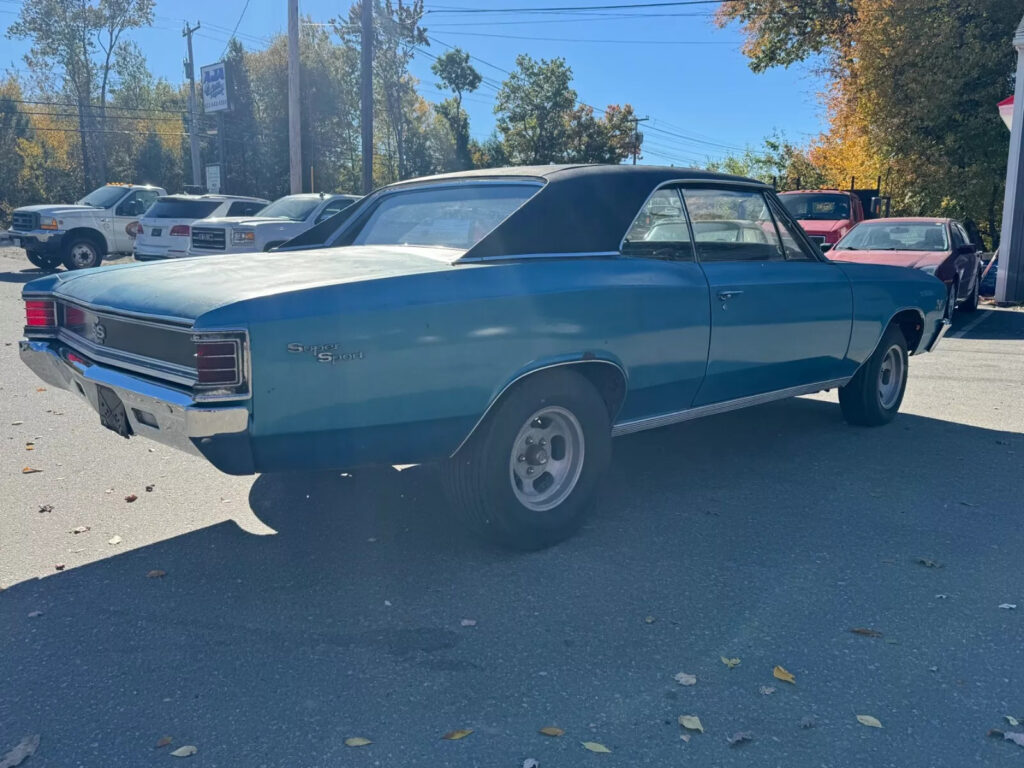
x=726 y=295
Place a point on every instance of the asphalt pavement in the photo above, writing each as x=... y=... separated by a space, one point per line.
x=266 y=620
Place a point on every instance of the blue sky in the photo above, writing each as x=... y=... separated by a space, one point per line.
x=676 y=67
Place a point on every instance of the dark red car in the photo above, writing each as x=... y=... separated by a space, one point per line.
x=940 y=247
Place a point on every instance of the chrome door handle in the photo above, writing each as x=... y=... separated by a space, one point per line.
x=724 y=295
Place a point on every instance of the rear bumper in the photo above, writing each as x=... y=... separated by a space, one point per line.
x=161 y=413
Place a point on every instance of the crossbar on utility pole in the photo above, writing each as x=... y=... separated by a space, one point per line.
x=193 y=128
x=294 y=122
x=636 y=135
x=366 y=95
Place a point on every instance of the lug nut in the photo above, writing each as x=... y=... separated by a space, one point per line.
x=520 y=457
x=529 y=470
x=529 y=441
x=543 y=442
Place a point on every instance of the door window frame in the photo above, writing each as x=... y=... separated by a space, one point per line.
x=677 y=187
x=735 y=186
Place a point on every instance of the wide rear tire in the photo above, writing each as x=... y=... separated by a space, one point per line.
x=873 y=396
x=526 y=479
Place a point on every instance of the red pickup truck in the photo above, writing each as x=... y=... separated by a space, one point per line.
x=828 y=214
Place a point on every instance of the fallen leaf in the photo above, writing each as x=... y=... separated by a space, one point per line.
x=928 y=563
x=114 y=541
x=1011 y=720
x=808 y=722
x=866 y=632
x=468 y=623
x=37 y=614
x=1016 y=738
x=685 y=737
x=156 y=573
x=530 y=763
x=766 y=690
x=1008 y=606
x=968 y=504
x=357 y=741
x=59 y=566
x=130 y=498
x=739 y=738
x=686 y=679
x=649 y=620
x=22 y=751
x=45 y=508
x=691 y=723
x=17 y=423
x=868 y=720
x=29 y=471
x=40 y=389
x=80 y=529
x=163 y=741
x=149 y=488
x=781 y=674
x=730 y=663
x=456 y=735
x=29 y=447
x=550 y=730
x=593 y=746
x=187 y=751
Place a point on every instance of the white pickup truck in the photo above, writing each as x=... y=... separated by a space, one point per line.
x=279 y=222
x=80 y=235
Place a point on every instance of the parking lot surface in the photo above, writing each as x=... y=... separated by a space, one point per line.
x=265 y=620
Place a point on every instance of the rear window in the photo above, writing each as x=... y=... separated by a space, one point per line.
x=169 y=208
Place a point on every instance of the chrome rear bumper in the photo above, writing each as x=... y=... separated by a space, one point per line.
x=161 y=413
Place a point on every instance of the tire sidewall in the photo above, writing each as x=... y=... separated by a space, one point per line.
x=97 y=254
x=42 y=260
x=892 y=338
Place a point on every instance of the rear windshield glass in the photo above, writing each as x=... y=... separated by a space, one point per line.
x=449 y=217
x=817 y=207
x=171 y=208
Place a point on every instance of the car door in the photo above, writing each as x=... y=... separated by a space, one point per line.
x=781 y=314
x=127 y=211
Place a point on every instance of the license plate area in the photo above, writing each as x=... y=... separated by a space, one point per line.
x=156 y=231
x=113 y=415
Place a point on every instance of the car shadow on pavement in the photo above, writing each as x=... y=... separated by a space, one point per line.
x=988 y=324
x=23 y=276
x=763 y=535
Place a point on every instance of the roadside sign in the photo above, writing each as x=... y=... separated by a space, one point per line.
x=214 y=80
x=213 y=178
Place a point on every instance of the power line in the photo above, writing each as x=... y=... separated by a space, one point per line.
x=574 y=8
x=605 y=41
x=233 y=31
x=94 y=106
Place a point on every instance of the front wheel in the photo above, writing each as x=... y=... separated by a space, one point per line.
x=873 y=396
x=82 y=253
x=527 y=477
x=44 y=261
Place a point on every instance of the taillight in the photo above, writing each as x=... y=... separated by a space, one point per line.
x=218 y=362
x=73 y=317
x=40 y=314
x=180 y=230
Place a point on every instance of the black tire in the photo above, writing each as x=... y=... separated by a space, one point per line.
x=44 y=261
x=970 y=304
x=862 y=400
x=82 y=252
x=480 y=478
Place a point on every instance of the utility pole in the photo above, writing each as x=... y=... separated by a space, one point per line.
x=366 y=95
x=1010 y=277
x=193 y=128
x=294 y=125
x=636 y=136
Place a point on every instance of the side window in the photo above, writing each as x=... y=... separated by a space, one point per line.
x=127 y=206
x=732 y=225
x=244 y=208
x=963 y=234
x=144 y=199
x=795 y=247
x=958 y=237
x=661 y=229
x=332 y=208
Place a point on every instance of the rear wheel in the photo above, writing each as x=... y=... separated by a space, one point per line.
x=44 y=261
x=527 y=477
x=873 y=396
x=82 y=253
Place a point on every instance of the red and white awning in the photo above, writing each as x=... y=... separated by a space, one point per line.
x=1006 y=111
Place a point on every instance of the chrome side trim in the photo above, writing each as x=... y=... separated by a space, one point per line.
x=160 y=320
x=520 y=377
x=653 y=422
x=518 y=256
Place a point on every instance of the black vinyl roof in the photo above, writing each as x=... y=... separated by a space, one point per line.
x=580 y=209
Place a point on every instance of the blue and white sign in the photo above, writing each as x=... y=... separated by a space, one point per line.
x=214 y=82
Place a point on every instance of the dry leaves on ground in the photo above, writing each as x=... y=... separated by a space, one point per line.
x=1008 y=606
x=740 y=737
x=730 y=663
x=468 y=623
x=114 y=541
x=37 y=614
x=59 y=566
x=80 y=529
x=357 y=741
x=530 y=763
x=808 y=722
x=927 y=563
x=156 y=573
x=1009 y=718
x=149 y=488
x=29 y=471
x=649 y=620
x=691 y=723
x=21 y=751
x=766 y=690
x=130 y=498
x=865 y=632
x=45 y=508
x=684 y=678
x=593 y=746
x=781 y=674
x=187 y=751
x=868 y=720
x=163 y=741
x=456 y=735
x=550 y=730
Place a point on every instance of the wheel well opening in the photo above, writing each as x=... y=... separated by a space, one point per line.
x=608 y=380
x=909 y=321
x=92 y=235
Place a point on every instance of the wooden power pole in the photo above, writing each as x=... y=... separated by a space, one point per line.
x=636 y=136
x=193 y=127
x=366 y=95
x=294 y=123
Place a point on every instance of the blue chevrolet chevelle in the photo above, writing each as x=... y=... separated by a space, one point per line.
x=506 y=323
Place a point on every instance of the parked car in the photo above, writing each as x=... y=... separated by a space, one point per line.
x=939 y=247
x=164 y=232
x=274 y=225
x=506 y=323
x=828 y=214
x=80 y=235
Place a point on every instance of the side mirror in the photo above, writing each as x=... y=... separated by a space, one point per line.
x=825 y=247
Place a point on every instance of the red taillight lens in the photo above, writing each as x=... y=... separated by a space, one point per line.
x=40 y=313
x=73 y=317
x=217 y=362
x=180 y=230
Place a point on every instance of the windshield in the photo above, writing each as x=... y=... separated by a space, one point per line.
x=449 y=217
x=177 y=208
x=295 y=208
x=891 y=236
x=104 y=197
x=817 y=207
